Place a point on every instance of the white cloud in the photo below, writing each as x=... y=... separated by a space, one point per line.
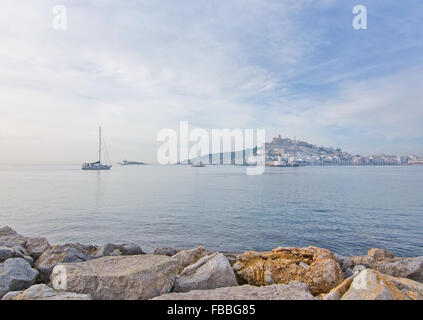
x=144 y=65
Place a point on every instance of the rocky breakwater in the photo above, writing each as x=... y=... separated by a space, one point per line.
x=32 y=269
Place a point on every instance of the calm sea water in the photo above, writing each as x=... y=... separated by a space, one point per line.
x=345 y=209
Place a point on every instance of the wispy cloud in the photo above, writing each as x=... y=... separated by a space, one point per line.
x=295 y=67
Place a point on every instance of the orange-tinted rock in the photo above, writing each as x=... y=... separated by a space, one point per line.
x=314 y=266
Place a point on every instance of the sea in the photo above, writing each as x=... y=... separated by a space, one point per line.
x=347 y=209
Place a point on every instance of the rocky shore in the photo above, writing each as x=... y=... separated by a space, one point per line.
x=33 y=269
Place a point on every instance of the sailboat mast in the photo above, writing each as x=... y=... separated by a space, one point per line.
x=99 y=144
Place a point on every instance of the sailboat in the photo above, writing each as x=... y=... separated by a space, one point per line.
x=97 y=165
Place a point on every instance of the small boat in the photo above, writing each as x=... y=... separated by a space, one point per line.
x=198 y=165
x=97 y=165
x=131 y=163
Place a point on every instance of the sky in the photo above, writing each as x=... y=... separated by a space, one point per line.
x=293 y=67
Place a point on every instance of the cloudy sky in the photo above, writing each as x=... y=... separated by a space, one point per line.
x=294 y=67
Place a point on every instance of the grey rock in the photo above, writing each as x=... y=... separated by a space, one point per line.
x=384 y=261
x=7 y=231
x=210 y=272
x=106 y=250
x=70 y=252
x=14 y=251
x=16 y=274
x=344 y=262
x=130 y=249
x=36 y=246
x=167 y=251
x=411 y=268
x=43 y=292
x=292 y=291
x=190 y=256
x=348 y=273
x=110 y=249
x=122 y=277
x=6 y=253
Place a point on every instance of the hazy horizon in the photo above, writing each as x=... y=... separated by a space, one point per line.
x=296 y=68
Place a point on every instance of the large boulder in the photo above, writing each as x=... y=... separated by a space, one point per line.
x=314 y=266
x=16 y=274
x=43 y=292
x=292 y=291
x=210 y=272
x=118 y=277
x=372 y=285
x=411 y=268
x=34 y=247
x=190 y=256
x=70 y=252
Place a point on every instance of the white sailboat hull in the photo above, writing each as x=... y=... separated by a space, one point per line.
x=97 y=165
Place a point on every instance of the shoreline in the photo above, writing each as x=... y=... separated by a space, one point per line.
x=126 y=272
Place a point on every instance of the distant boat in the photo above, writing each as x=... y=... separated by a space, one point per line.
x=97 y=165
x=131 y=163
x=198 y=165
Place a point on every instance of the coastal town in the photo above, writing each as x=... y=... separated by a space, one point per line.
x=292 y=151
x=286 y=152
